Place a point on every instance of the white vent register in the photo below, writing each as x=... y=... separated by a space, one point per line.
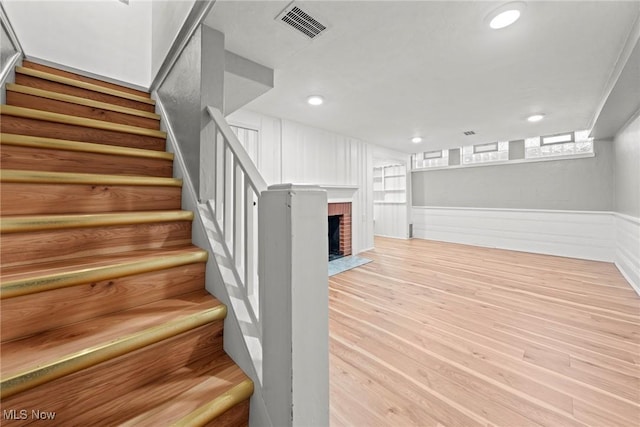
x=301 y=20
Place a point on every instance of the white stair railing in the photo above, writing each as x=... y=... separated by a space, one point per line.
x=271 y=248
x=236 y=185
x=11 y=52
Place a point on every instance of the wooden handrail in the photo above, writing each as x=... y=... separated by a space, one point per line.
x=256 y=180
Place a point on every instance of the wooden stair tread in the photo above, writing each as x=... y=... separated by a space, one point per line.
x=53 y=199
x=77 y=108
x=89 y=147
x=75 y=394
x=217 y=382
x=53 y=238
x=30 y=223
x=58 y=352
x=46 y=177
x=229 y=409
x=33 y=278
x=52 y=267
x=15 y=157
x=71 y=75
x=84 y=85
x=27 y=90
x=29 y=113
x=52 y=129
x=92 y=296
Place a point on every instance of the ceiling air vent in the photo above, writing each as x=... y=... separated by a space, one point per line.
x=469 y=132
x=301 y=20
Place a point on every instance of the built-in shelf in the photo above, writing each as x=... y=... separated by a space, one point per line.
x=389 y=184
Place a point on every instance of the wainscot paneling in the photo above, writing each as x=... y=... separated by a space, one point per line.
x=627 y=248
x=576 y=234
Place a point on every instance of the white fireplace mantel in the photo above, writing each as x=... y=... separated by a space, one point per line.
x=339 y=193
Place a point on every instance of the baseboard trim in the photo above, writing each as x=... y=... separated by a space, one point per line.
x=391 y=237
x=635 y=285
x=364 y=250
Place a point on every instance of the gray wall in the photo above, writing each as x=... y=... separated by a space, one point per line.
x=195 y=82
x=627 y=170
x=180 y=96
x=577 y=184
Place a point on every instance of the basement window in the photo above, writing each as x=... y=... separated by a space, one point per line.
x=431 y=159
x=485 y=148
x=566 y=144
x=485 y=153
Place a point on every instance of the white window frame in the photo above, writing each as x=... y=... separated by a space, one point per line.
x=485 y=148
x=571 y=135
x=428 y=155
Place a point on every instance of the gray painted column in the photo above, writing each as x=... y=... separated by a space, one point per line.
x=195 y=82
x=180 y=96
x=211 y=94
x=294 y=301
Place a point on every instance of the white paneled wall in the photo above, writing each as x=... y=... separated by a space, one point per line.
x=576 y=234
x=249 y=140
x=290 y=152
x=391 y=220
x=627 y=249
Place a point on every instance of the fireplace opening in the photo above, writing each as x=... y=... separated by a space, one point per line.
x=334 y=237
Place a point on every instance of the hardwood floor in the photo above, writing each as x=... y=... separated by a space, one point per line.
x=434 y=333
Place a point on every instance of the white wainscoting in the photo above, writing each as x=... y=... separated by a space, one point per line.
x=390 y=220
x=627 y=248
x=577 y=234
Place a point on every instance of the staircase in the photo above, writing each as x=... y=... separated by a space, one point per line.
x=104 y=316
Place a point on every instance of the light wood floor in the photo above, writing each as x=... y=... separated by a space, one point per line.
x=434 y=333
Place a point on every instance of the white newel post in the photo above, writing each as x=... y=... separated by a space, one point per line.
x=294 y=302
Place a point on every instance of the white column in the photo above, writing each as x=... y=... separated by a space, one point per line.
x=294 y=298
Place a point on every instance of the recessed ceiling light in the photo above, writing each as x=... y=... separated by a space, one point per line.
x=416 y=139
x=315 y=100
x=504 y=19
x=505 y=15
x=535 y=118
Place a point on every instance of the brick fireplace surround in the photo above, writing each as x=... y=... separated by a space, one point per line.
x=344 y=210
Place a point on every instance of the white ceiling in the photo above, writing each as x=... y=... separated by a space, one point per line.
x=391 y=70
